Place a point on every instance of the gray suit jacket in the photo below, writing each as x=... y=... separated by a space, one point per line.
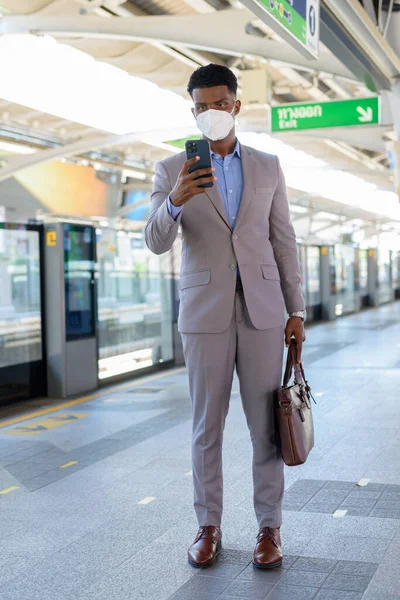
x=263 y=244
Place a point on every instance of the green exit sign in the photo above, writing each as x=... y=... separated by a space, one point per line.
x=315 y=115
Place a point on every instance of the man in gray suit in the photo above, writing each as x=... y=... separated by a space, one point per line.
x=239 y=268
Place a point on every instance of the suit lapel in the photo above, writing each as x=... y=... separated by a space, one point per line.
x=216 y=199
x=249 y=166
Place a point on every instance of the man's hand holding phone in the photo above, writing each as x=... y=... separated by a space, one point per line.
x=187 y=184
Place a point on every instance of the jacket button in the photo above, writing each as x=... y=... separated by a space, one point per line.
x=232 y=266
x=235 y=236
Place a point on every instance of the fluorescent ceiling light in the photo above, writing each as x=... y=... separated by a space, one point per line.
x=65 y=82
x=309 y=174
x=297 y=208
x=326 y=216
x=162 y=146
x=16 y=148
x=134 y=174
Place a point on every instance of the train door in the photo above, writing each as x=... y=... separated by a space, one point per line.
x=22 y=340
x=345 y=279
x=313 y=283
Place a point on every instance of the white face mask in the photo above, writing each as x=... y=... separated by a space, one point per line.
x=215 y=124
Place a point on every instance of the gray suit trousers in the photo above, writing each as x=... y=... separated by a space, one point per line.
x=211 y=359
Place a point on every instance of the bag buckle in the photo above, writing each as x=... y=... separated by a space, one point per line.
x=285 y=403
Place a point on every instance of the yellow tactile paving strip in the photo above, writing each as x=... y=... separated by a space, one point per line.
x=46 y=424
x=89 y=398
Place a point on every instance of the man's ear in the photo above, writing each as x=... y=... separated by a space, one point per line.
x=192 y=109
x=238 y=106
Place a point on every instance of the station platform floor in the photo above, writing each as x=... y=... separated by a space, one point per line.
x=96 y=494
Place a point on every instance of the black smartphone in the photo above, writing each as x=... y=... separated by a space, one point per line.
x=199 y=148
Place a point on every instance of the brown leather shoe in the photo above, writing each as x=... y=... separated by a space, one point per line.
x=206 y=546
x=268 y=553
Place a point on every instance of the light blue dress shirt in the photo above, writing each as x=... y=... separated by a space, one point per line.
x=230 y=181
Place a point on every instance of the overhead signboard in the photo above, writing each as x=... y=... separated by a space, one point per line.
x=296 y=21
x=315 y=115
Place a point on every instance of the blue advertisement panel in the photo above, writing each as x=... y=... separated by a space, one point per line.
x=79 y=266
x=138 y=197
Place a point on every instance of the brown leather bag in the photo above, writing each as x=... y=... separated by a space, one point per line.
x=293 y=412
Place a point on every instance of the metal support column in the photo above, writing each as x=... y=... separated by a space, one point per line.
x=395 y=105
x=373 y=298
x=393 y=146
x=357 y=291
x=328 y=283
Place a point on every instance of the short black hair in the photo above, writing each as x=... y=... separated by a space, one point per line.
x=212 y=75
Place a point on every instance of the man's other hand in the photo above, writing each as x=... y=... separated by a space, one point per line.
x=295 y=328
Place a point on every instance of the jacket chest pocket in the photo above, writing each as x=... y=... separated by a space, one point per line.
x=261 y=204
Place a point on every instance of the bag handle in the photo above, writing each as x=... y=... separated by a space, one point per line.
x=291 y=363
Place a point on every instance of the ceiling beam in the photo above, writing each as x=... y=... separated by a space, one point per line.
x=332 y=224
x=369 y=137
x=207 y=32
x=304 y=215
x=355 y=23
x=26 y=115
x=370 y=10
x=192 y=59
x=12 y=164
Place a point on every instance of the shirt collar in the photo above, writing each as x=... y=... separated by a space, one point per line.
x=236 y=151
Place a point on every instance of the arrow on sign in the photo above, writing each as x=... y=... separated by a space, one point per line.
x=365 y=114
x=64 y=418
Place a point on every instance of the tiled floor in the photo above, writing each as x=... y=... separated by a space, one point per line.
x=96 y=499
x=299 y=577
x=373 y=499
